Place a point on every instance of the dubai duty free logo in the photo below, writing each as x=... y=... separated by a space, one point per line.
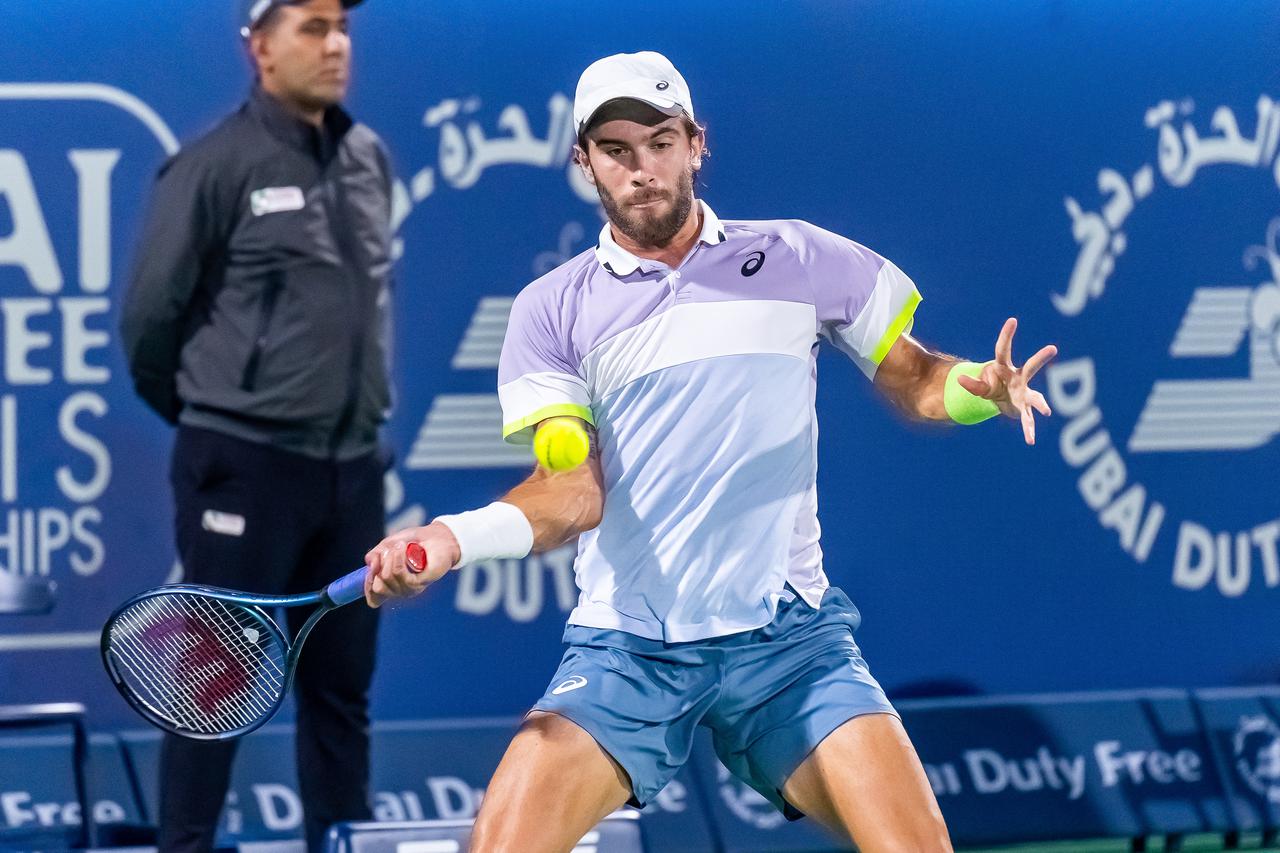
x=1256 y=748
x=1231 y=331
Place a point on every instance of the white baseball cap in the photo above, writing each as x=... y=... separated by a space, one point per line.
x=645 y=76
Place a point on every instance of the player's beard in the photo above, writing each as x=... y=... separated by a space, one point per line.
x=649 y=229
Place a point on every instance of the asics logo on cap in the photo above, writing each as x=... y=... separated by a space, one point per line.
x=663 y=86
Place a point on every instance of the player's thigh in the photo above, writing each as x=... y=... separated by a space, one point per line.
x=866 y=780
x=553 y=785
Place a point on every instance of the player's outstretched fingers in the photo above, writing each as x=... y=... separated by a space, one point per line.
x=1004 y=343
x=1037 y=361
x=1028 y=425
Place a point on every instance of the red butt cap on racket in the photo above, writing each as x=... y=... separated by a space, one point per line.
x=415 y=557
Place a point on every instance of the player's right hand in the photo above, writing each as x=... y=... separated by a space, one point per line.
x=391 y=576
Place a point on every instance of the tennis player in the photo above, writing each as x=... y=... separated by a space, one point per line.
x=686 y=345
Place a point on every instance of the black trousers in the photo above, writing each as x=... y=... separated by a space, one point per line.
x=255 y=518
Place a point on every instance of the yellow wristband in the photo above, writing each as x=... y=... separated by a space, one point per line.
x=963 y=407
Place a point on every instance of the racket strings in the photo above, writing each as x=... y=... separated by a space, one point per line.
x=200 y=664
x=235 y=642
x=169 y=658
x=215 y=679
x=144 y=683
x=246 y=650
x=209 y=690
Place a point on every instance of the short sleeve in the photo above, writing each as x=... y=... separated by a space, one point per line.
x=864 y=302
x=538 y=376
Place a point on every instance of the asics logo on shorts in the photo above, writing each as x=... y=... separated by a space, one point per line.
x=573 y=682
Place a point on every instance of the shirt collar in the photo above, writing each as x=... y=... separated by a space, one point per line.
x=321 y=142
x=620 y=262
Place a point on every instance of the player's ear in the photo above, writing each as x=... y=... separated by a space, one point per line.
x=584 y=163
x=698 y=149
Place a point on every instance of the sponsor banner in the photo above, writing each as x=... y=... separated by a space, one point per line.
x=1066 y=766
x=421 y=771
x=1243 y=726
x=38 y=795
x=1051 y=767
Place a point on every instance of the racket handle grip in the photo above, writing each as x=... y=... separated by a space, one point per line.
x=348 y=588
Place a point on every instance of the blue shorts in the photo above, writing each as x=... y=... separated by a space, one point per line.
x=769 y=696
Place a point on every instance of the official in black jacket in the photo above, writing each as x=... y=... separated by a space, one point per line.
x=256 y=321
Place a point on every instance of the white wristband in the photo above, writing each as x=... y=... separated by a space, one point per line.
x=493 y=532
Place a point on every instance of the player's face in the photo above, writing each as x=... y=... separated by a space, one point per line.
x=643 y=172
x=304 y=56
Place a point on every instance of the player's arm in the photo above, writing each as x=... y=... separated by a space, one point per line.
x=560 y=505
x=549 y=508
x=913 y=378
x=930 y=386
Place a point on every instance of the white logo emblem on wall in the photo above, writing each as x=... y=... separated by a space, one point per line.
x=1233 y=329
x=1217 y=323
x=1257 y=751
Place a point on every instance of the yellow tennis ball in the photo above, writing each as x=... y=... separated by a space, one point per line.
x=561 y=444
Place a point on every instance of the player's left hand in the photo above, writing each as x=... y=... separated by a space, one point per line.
x=1009 y=386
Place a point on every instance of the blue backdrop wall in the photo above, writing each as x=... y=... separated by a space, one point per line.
x=1108 y=175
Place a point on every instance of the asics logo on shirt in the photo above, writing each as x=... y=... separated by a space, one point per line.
x=754 y=261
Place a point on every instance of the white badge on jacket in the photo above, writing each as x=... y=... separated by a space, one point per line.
x=276 y=200
x=226 y=523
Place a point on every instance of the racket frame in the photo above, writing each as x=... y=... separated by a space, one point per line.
x=253 y=604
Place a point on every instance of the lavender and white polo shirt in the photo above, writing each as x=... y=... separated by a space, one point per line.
x=700 y=381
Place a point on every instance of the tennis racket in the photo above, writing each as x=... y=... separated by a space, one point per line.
x=208 y=663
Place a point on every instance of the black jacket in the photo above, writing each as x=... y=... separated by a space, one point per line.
x=258 y=305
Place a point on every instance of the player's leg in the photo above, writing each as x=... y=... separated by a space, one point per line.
x=332 y=683
x=553 y=785
x=866 y=781
x=803 y=722
x=614 y=726
x=228 y=534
